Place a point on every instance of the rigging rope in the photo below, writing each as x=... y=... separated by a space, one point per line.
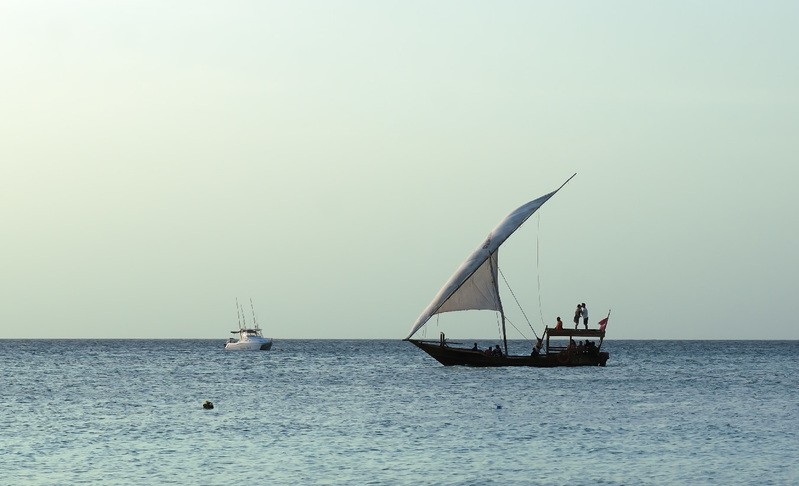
x=538 y=271
x=517 y=303
x=517 y=329
x=499 y=326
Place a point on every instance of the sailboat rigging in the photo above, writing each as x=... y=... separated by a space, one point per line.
x=474 y=286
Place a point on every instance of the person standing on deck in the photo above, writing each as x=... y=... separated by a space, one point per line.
x=559 y=324
x=584 y=313
x=577 y=314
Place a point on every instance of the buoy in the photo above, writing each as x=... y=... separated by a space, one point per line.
x=208 y=405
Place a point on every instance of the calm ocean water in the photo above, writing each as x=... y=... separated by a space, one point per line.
x=383 y=412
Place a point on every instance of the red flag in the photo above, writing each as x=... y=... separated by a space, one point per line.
x=603 y=323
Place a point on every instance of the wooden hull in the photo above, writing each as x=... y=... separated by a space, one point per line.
x=449 y=356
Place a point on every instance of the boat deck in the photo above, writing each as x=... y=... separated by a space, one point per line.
x=575 y=332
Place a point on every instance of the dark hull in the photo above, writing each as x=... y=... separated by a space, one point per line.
x=449 y=356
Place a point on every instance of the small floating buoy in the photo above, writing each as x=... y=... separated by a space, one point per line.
x=208 y=405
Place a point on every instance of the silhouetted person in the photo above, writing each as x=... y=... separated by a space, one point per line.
x=584 y=314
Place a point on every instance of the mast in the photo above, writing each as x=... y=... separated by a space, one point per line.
x=255 y=322
x=238 y=312
x=499 y=301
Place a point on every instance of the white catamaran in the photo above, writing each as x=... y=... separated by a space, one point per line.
x=474 y=286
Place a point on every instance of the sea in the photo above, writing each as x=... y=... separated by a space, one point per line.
x=383 y=412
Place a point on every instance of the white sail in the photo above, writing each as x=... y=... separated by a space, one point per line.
x=478 y=291
x=474 y=283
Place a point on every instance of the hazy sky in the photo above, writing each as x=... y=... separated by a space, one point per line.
x=337 y=160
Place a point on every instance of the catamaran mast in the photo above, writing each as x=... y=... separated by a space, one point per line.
x=238 y=312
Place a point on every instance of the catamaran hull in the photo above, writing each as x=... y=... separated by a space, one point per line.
x=449 y=356
x=264 y=345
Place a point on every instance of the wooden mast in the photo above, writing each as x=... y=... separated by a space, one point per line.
x=499 y=300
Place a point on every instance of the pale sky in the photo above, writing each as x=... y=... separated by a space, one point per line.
x=335 y=161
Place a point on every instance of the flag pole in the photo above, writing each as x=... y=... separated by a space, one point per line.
x=602 y=338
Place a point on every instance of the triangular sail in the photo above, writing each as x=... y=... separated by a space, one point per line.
x=474 y=283
x=479 y=291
